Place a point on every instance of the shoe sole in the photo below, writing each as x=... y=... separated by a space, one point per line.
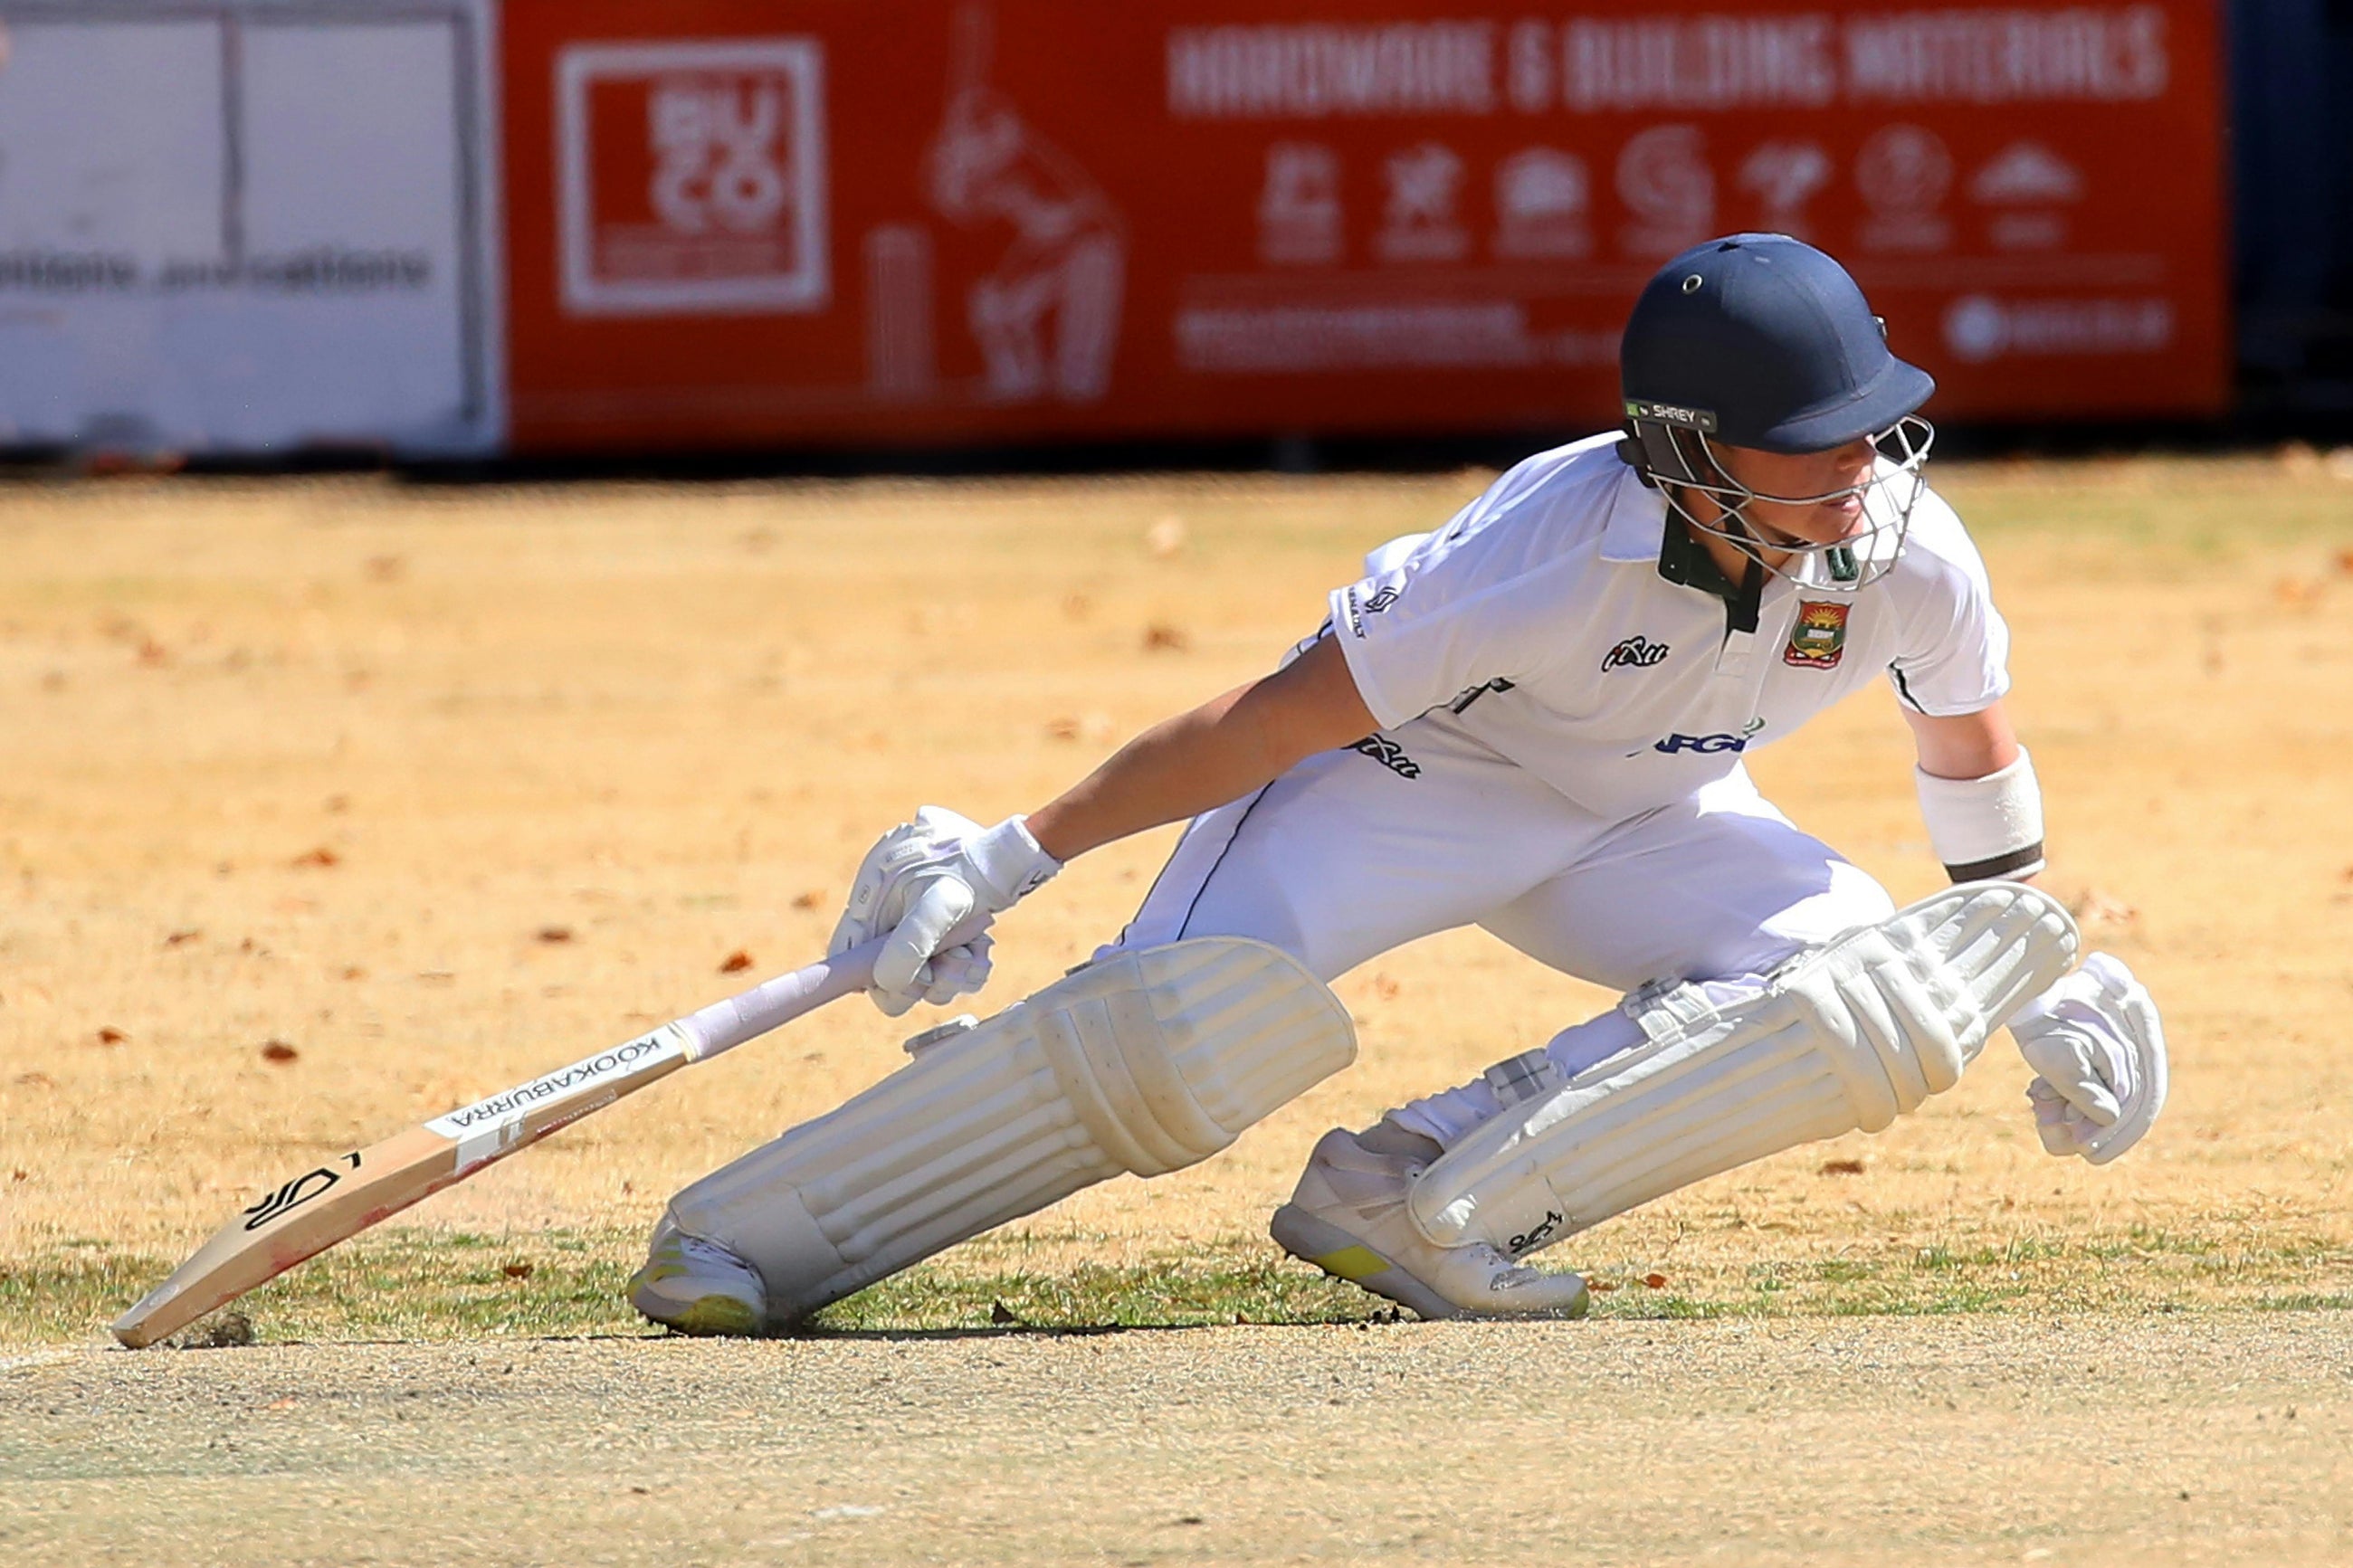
x=706 y=1317
x=1343 y=1257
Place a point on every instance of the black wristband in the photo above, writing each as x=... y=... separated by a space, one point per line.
x=2024 y=862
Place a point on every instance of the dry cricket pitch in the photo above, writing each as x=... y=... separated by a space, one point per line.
x=329 y=805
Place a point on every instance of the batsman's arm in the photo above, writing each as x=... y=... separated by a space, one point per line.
x=1219 y=752
x=1978 y=795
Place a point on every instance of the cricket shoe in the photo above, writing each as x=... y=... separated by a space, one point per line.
x=698 y=1287
x=1348 y=1217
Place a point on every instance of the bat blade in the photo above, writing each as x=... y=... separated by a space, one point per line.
x=335 y=1201
x=296 y=1220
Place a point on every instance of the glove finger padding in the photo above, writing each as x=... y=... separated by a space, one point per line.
x=2098 y=1052
x=904 y=964
x=958 y=970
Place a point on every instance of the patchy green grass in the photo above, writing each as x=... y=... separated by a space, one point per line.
x=420 y=1284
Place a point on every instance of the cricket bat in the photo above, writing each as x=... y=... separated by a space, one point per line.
x=331 y=1201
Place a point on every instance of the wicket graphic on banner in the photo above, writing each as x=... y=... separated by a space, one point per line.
x=342 y=1196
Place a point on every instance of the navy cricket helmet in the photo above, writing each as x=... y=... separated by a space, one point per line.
x=1761 y=340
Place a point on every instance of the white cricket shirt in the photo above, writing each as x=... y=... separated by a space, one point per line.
x=1537 y=623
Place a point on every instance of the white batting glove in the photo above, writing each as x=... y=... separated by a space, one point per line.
x=2098 y=1053
x=922 y=882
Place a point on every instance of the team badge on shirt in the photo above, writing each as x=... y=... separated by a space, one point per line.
x=1819 y=640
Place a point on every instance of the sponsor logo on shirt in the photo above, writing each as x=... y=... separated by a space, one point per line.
x=1388 y=753
x=1373 y=603
x=1819 y=640
x=1640 y=652
x=1711 y=743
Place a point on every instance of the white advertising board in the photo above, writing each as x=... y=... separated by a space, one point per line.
x=235 y=227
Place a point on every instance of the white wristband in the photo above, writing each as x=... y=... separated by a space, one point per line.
x=1991 y=826
x=1011 y=859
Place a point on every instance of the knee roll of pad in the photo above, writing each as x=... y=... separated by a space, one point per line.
x=1848 y=1036
x=1143 y=1062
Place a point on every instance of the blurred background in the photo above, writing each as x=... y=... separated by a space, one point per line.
x=581 y=231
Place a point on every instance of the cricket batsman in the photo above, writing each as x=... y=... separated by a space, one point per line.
x=1533 y=719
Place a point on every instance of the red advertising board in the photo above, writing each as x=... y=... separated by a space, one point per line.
x=764 y=221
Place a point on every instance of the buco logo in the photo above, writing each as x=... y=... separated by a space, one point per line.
x=692 y=176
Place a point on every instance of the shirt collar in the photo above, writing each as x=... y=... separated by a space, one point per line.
x=1638 y=520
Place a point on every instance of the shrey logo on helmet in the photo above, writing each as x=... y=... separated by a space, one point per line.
x=1689 y=418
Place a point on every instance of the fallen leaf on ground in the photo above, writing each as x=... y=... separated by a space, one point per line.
x=516 y=1270
x=277 y=1051
x=2093 y=907
x=809 y=899
x=322 y=857
x=1655 y=1281
x=110 y=1036
x=1160 y=637
x=735 y=963
x=554 y=934
x=177 y=937
x=1842 y=1167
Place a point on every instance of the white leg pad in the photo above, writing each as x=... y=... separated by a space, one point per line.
x=1850 y=1035
x=1144 y=1062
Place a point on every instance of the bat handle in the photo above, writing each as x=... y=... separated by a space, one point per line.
x=724 y=1025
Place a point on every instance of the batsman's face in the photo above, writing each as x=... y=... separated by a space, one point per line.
x=1802 y=474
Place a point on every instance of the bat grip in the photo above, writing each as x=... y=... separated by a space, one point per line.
x=724 y=1025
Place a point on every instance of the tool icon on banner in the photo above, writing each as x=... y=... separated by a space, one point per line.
x=1784 y=177
x=1904 y=172
x=1663 y=175
x=1418 y=222
x=1299 y=206
x=1541 y=200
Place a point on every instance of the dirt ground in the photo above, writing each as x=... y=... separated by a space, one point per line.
x=329 y=805
x=2219 y=1440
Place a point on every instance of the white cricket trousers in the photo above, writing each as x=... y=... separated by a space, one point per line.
x=1350 y=853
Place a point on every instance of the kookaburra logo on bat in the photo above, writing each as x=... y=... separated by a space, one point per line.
x=298 y=1191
